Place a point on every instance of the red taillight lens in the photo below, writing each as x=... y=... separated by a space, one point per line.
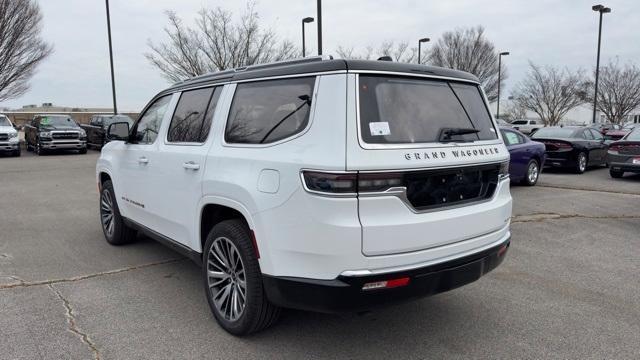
x=350 y=183
x=615 y=148
x=331 y=183
x=378 y=181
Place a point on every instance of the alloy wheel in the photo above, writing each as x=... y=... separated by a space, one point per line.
x=226 y=279
x=106 y=213
x=582 y=162
x=532 y=173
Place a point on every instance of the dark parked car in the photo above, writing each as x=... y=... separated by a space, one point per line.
x=624 y=155
x=54 y=132
x=527 y=156
x=619 y=133
x=98 y=126
x=603 y=128
x=573 y=147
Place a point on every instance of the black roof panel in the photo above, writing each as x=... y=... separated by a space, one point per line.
x=316 y=65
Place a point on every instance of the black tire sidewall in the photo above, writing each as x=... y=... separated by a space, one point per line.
x=578 y=170
x=118 y=237
x=238 y=233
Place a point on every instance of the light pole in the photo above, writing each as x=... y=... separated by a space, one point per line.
x=319 y=27
x=423 y=40
x=305 y=21
x=504 y=53
x=602 y=10
x=113 y=79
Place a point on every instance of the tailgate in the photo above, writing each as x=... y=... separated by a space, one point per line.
x=443 y=192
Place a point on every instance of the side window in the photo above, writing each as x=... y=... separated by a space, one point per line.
x=267 y=111
x=146 y=130
x=587 y=134
x=192 y=118
x=511 y=138
x=596 y=134
x=532 y=122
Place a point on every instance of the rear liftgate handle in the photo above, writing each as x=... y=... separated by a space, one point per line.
x=190 y=165
x=143 y=160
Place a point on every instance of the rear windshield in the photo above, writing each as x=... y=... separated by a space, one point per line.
x=553 y=133
x=398 y=110
x=634 y=135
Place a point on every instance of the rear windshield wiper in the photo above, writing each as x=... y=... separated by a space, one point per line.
x=447 y=133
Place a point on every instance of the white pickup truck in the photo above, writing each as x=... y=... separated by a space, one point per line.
x=527 y=126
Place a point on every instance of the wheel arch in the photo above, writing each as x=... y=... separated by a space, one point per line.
x=213 y=210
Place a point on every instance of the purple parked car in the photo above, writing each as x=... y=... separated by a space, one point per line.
x=527 y=156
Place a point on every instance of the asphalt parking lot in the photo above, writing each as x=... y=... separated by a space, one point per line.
x=569 y=287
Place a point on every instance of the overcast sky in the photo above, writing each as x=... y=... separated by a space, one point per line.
x=561 y=33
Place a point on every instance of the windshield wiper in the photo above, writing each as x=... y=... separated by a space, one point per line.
x=307 y=101
x=447 y=133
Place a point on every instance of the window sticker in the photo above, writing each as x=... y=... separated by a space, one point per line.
x=45 y=121
x=379 y=128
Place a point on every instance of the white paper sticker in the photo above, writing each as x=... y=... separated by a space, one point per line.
x=379 y=128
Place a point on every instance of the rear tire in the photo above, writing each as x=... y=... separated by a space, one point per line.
x=581 y=163
x=241 y=280
x=616 y=174
x=116 y=232
x=533 y=173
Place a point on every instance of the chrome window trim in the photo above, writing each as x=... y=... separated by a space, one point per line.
x=426 y=145
x=312 y=115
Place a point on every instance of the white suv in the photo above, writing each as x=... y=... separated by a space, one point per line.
x=315 y=184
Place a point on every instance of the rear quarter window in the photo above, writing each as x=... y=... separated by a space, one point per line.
x=400 y=110
x=264 y=112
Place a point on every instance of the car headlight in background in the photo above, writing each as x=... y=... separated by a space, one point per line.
x=44 y=134
x=83 y=134
x=13 y=135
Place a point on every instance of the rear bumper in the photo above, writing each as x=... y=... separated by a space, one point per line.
x=625 y=167
x=345 y=294
x=560 y=159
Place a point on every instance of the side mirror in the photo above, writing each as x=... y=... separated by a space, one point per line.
x=118 y=131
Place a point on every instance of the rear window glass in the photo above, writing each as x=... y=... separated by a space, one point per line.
x=553 y=133
x=634 y=135
x=519 y=122
x=397 y=110
x=267 y=111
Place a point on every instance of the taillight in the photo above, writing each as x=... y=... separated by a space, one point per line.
x=615 y=148
x=374 y=182
x=330 y=183
x=504 y=170
x=386 y=284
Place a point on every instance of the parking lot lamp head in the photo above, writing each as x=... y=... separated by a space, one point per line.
x=305 y=21
x=423 y=40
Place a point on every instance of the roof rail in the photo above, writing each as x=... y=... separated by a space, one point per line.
x=230 y=72
x=295 y=61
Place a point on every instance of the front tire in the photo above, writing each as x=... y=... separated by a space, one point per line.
x=581 y=163
x=233 y=280
x=83 y=151
x=116 y=232
x=533 y=173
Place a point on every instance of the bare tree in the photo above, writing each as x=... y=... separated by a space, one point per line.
x=216 y=42
x=469 y=50
x=399 y=52
x=21 y=47
x=514 y=111
x=618 y=91
x=550 y=92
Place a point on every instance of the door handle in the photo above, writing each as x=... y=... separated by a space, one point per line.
x=190 y=165
x=143 y=160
